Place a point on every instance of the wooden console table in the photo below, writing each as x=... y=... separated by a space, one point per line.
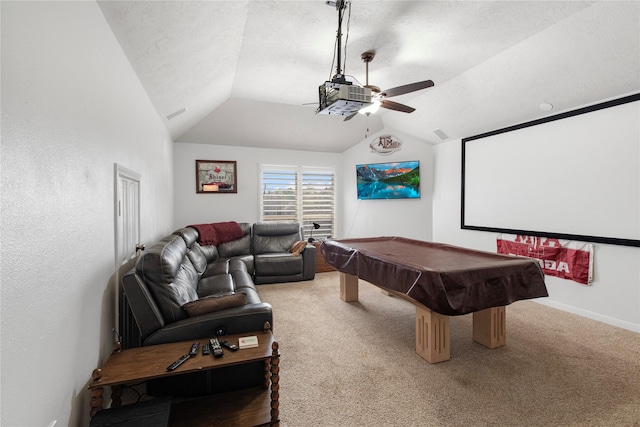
x=255 y=406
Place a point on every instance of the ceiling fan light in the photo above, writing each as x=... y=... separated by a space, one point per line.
x=369 y=109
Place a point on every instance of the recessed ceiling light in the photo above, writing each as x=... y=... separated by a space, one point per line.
x=545 y=106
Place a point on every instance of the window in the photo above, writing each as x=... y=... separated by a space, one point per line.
x=302 y=194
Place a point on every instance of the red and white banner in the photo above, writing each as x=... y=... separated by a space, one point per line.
x=566 y=259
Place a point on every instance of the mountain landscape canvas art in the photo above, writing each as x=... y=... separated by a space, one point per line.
x=393 y=180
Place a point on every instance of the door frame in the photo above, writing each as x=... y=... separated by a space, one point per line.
x=120 y=172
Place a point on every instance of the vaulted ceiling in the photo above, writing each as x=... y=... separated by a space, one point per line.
x=243 y=70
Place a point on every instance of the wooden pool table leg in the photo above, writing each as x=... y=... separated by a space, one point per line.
x=348 y=287
x=432 y=335
x=490 y=327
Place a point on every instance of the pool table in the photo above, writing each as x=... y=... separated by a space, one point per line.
x=440 y=280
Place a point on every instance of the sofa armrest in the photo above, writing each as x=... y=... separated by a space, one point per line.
x=309 y=262
x=237 y=320
x=144 y=309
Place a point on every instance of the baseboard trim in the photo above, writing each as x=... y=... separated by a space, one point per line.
x=590 y=315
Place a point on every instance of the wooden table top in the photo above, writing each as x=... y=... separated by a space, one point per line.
x=144 y=363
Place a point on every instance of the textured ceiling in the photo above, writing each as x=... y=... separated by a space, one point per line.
x=244 y=69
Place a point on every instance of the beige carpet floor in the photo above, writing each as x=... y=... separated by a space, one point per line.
x=354 y=364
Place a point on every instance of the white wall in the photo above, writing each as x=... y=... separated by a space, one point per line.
x=71 y=108
x=243 y=206
x=410 y=218
x=613 y=297
x=354 y=218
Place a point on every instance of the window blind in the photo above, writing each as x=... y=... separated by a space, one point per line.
x=301 y=194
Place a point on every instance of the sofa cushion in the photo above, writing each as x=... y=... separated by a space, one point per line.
x=219 y=266
x=271 y=244
x=274 y=236
x=275 y=228
x=161 y=261
x=194 y=250
x=169 y=275
x=220 y=284
x=251 y=294
x=185 y=284
x=242 y=280
x=197 y=258
x=242 y=263
x=277 y=264
x=210 y=252
x=241 y=246
x=214 y=303
x=188 y=234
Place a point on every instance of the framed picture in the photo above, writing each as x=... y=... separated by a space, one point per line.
x=216 y=176
x=393 y=180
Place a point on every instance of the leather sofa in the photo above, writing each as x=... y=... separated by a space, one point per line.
x=178 y=270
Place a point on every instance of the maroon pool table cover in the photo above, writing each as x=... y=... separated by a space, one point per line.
x=447 y=279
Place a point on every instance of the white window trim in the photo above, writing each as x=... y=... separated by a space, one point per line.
x=299 y=170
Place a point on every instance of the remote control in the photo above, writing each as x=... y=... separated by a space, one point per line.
x=194 y=349
x=206 y=349
x=228 y=345
x=215 y=347
x=178 y=362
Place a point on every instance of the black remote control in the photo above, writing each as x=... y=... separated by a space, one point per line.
x=228 y=345
x=178 y=362
x=215 y=347
x=206 y=349
x=194 y=349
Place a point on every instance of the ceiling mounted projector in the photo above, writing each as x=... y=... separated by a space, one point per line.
x=341 y=98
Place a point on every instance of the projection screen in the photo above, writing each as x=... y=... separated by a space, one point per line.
x=575 y=175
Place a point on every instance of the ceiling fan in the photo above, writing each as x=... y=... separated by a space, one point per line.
x=378 y=97
x=339 y=96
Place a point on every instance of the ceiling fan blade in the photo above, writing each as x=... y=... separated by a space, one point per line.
x=411 y=87
x=385 y=103
x=350 y=116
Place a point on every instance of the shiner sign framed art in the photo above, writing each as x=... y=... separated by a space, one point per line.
x=216 y=176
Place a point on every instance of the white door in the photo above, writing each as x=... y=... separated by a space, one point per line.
x=127 y=225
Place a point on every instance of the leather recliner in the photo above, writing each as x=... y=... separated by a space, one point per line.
x=271 y=243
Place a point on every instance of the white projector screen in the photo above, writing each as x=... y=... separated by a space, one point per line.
x=575 y=175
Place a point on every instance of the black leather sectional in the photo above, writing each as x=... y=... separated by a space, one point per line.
x=178 y=270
